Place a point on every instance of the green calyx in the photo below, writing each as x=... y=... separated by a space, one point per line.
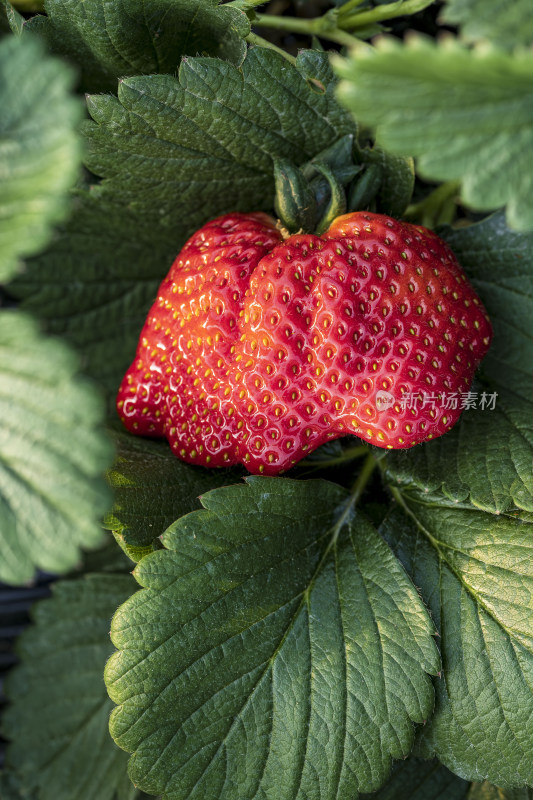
x=310 y=197
x=294 y=202
x=343 y=177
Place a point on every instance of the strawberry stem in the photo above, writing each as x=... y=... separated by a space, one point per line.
x=347 y=455
x=364 y=476
x=365 y=18
x=438 y=208
x=349 y=6
x=246 y=5
x=356 y=493
x=324 y=27
x=258 y=41
x=338 y=24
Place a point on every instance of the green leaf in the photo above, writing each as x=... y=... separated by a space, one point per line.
x=487 y=459
x=278 y=650
x=58 y=713
x=175 y=152
x=107 y=41
x=152 y=488
x=474 y=568
x=505 y=24
x=499 y=263
x=10 y=19
x=415 y=779
x=464 y=113
x=475 y=571
x=39 y=149
x=213 y=133
x=52 y=454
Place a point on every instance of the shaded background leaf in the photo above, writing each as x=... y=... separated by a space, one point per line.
x=499 y=262
x=96 y=282
x=52 y=454
x=397 y=182
x=416 y=779
x=465 y=114
x=58 y=717
x=108 y=41
x=506 y=24
x=39 y=148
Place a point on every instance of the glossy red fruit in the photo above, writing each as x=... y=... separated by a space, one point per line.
x=258 y=350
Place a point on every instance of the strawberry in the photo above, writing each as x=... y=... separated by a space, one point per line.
x=258 y=350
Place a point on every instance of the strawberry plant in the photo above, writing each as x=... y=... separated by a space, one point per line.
x=294 y=240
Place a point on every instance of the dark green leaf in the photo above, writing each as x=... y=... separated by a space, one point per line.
x=58 y=716
x=415 y=779
x=152 y=488
x=10 y=19
x=130 y=37
x=475 y=572
x=11 y=789
x=505 y=24
x=466 y=114
x=499 y=263
x=213 y=134
x=175 y=152
x=397 y=183
x=39 y=149
x=278 y=650
x=52 y=454
x=487 y=459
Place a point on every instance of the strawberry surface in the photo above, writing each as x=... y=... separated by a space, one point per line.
x=258 y=350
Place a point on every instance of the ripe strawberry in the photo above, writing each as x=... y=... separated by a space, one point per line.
x=258 y=350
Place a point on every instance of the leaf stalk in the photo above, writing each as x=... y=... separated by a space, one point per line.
x=438 y=208
x=347 y=455
x=322 y=27
x=339 y=24
x=254 y=39
x=369 y=465
x=363 y=19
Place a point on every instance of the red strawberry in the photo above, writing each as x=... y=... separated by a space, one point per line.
x=257 y=351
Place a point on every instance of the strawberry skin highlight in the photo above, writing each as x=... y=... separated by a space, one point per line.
x=258 y=350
